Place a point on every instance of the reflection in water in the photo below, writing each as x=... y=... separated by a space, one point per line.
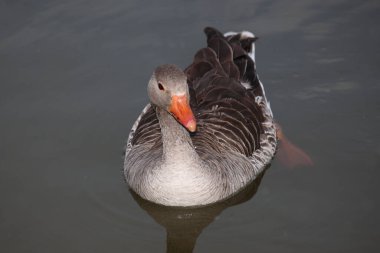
x=184 y=225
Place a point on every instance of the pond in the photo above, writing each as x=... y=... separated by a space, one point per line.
x=73 y=78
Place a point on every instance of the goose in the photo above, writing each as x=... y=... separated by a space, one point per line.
x=207 y=132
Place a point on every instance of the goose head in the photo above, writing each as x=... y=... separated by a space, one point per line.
x=168 y=90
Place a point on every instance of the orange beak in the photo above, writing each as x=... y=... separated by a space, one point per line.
x=180 y=109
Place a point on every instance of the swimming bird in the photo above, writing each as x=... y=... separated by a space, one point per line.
x=207 y=132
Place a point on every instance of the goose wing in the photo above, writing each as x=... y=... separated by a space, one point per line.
x=225 y=93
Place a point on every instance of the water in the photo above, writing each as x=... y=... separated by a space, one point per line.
x=73 y=78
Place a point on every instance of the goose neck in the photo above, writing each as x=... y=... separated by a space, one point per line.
x=176 y=139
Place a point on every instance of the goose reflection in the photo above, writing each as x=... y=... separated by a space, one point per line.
x=184 y=225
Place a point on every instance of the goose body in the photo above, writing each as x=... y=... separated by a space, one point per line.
x=208 y=131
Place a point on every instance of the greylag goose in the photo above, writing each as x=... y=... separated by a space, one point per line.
x=207 y=132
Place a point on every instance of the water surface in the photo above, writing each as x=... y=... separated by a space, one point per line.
x=73 y=78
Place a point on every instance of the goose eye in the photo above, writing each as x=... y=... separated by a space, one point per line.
x=160 y=86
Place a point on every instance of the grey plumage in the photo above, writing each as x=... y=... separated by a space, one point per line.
x=235 y=137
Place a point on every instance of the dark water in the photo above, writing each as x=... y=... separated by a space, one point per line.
x=73 y=78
